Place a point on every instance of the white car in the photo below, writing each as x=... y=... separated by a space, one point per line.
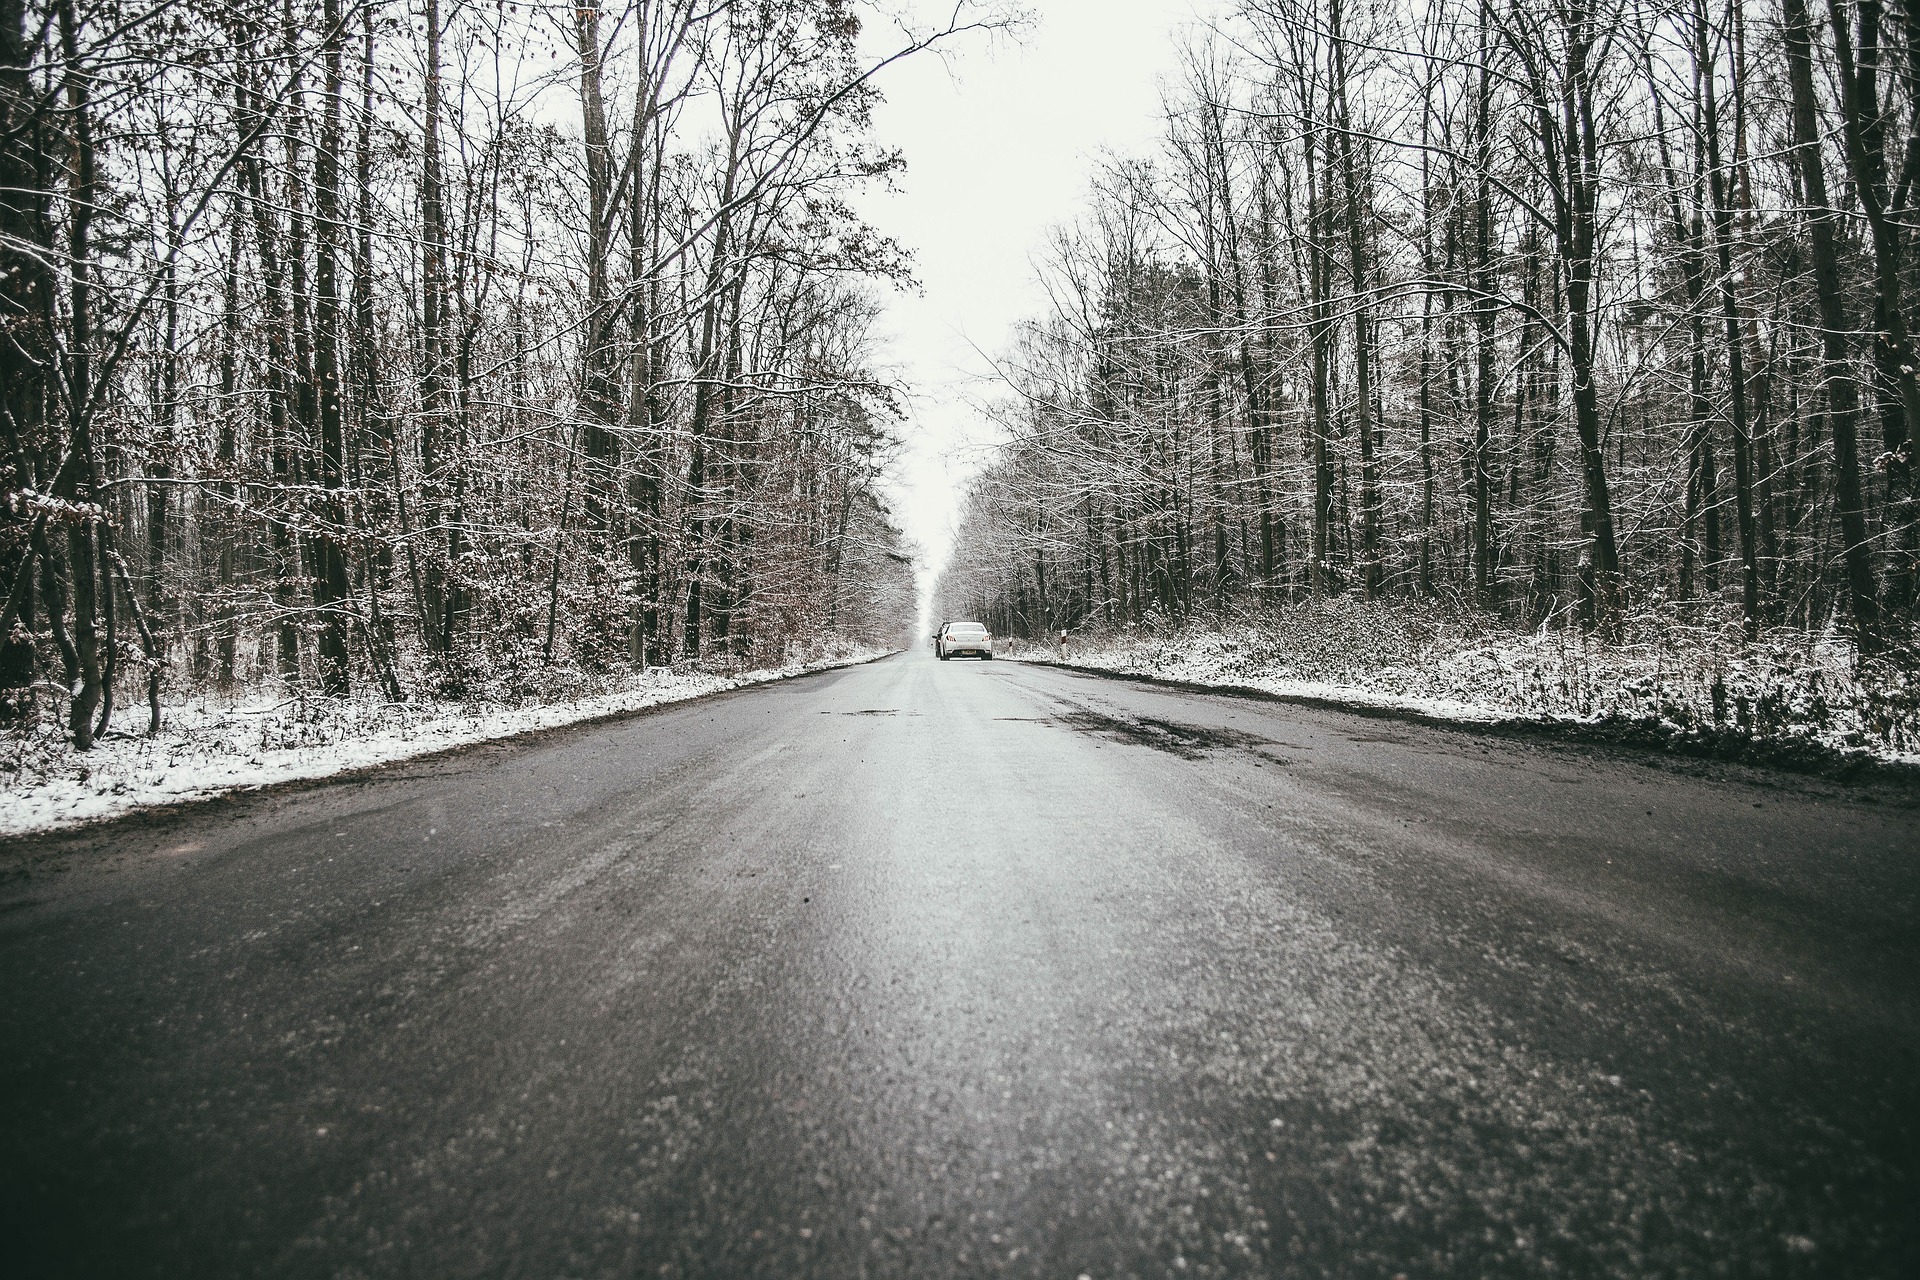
x=963 y=637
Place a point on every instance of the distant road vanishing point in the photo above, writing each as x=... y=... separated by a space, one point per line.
x=939 y=969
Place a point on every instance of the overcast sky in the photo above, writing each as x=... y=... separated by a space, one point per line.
x=1000 y=141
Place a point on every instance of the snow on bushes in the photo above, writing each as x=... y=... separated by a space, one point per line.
x=207 y=747
x=1680 y=682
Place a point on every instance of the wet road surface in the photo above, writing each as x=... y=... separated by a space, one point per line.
x=945 y=969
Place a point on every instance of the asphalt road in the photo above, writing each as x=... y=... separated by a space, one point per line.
x=941 y=969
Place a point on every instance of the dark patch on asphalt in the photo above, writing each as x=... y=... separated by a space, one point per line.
x=872 y=711
x=1188 y=741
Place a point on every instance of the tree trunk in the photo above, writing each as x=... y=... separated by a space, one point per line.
x=1358 y=209
x=330 y=584
x=1743 y=478
x=83 y=554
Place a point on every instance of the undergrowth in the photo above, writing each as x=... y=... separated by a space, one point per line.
x=1662 y=677
x=204 y=729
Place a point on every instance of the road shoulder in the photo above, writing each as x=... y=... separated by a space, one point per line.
x=197 y=763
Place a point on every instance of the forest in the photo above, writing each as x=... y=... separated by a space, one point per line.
x=1583 y=316
x=357 y=349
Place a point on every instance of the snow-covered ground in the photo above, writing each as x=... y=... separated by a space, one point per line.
x=1785 y=695
x=208 y=748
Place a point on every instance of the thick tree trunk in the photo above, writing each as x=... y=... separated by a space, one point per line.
x=330 y=584
x=83 y=554
x=1484 y=311
x=599 y=404
x=1358 y=211
x=26 y=312
x=1321 y=335
x=436 y=587
x=1743 y=477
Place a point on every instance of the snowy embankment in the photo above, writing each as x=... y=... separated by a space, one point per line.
x=207 y=748
x=1791 y=699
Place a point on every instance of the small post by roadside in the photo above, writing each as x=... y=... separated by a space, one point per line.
x=1063 y=646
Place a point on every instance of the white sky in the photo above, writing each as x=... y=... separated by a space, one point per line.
x=1000 y=141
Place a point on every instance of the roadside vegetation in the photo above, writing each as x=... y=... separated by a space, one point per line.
x=1788 y=697
x=1552 y=358
x=214 y=744
x=365 y=356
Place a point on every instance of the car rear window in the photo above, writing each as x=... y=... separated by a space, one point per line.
x=966 y=629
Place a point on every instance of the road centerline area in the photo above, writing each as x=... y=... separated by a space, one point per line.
x=994 y=969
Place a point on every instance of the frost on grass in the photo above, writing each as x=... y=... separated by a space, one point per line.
x=208 y=746
x=1684 y=684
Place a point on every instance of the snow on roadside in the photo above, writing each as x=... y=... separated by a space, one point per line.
x=206 y=749
x=1699 y=689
